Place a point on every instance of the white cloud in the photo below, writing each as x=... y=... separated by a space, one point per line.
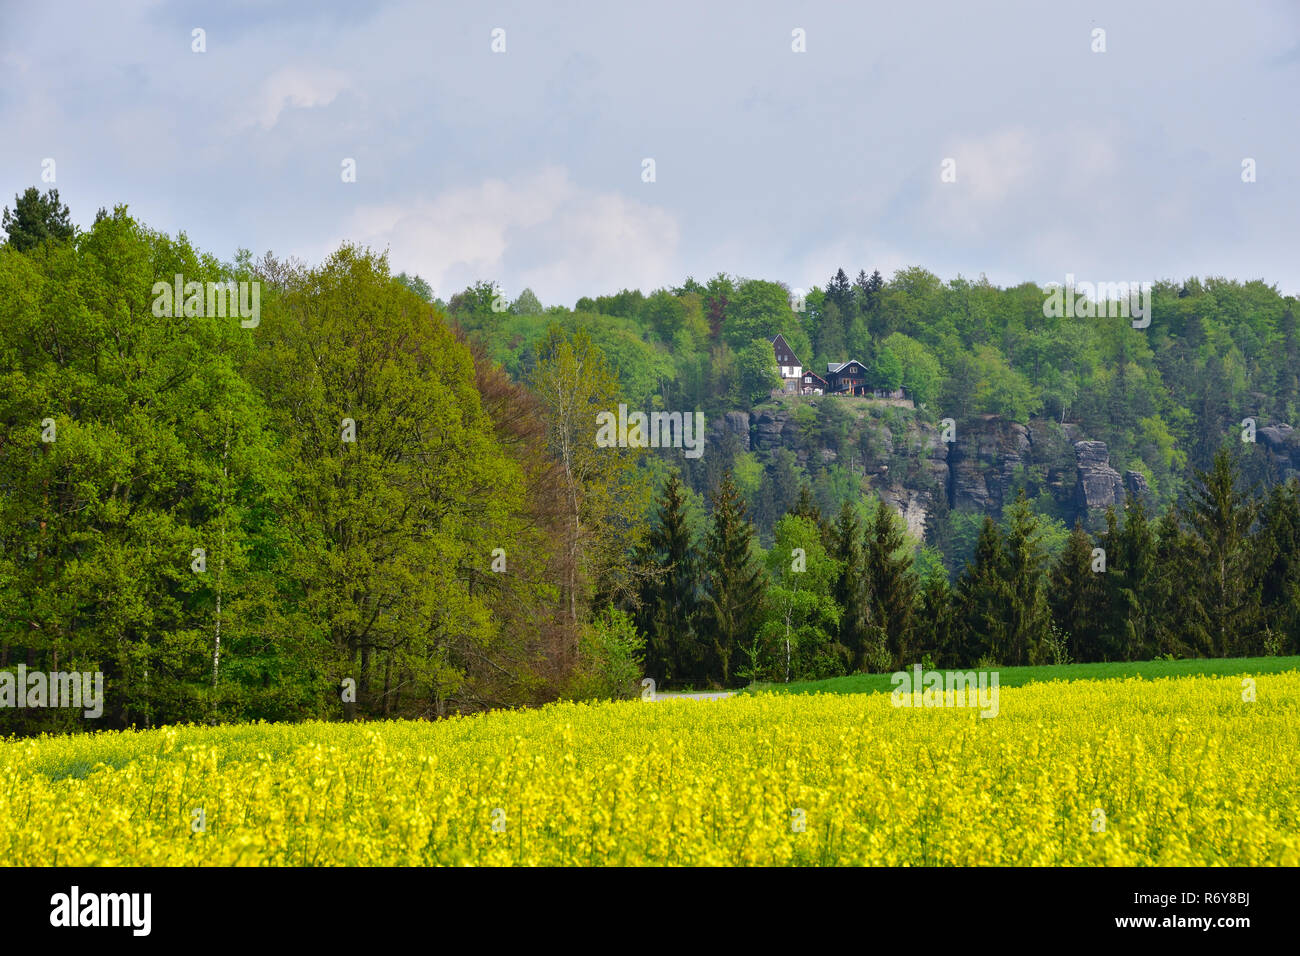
x=537 y=230
x=297 y=88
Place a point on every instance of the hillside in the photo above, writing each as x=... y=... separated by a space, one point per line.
x=1023 y=385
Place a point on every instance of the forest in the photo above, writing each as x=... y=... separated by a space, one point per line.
x=377 y=502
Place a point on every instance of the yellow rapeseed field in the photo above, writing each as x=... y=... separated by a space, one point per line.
x=1164 y=772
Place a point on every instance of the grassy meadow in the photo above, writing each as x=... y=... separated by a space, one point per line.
x=1020 y=676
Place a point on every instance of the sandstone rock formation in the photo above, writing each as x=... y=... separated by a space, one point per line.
x=1098 y=486
x=1283 y=446
x=906 y=462
x=984 y=462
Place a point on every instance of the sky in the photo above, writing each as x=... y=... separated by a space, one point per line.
x=526 y=166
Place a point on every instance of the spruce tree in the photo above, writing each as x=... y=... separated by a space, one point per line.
x=840 y=291
x=935 y=632
x=1278 y=557
x=891 y=583
x=1028 y=616
x=850 y=590
x=1075 y=595
x=981 y=599
x=669 y=594
x=862 y=292
x=1130 y=581
x=735 y=580
x=1181 y=619
x=36 y=219
x=1220 y=517
x=832 y=339
x=1110 y=614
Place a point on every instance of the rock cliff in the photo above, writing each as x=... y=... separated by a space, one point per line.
x=905 y=460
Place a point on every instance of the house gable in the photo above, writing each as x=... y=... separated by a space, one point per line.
x=785 y=357
x=788 y=365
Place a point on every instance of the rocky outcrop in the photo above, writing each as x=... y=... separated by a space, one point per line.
x=905 y=461
x=735 y=423
x=1098 y=486
x=1135 y=483
x=983 y=464
x=771 y=429
x=1283 y=445
x=936 y=472
x=913 y=505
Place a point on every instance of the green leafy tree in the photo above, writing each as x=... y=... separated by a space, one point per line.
x=610 y=658
x=759 y=310
x=526 y=304
x=600 y=485
x=887 y=371
x=796 y=637
x=922 y=374
x=140 y=480
x=666 y=314
x=806 y=507
x=400 y=489
x=416 y=285
x=756 y=372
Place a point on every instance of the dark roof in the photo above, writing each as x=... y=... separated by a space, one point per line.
x=779 y=343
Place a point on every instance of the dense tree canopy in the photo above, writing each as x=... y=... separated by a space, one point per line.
x=354 y=502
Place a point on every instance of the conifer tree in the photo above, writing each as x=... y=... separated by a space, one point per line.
x=850 y=587
x=891 y=583
x=1220 y=517
x=1278 y=555
x=1075 y=595
x=1130 y=585
x=1028 y=618
x=669 y=594
x=1110 y=618
x=862 y=292
x=37 y=218
x=806 y=507
x=981 y=599
x=1181 y=620
x=832 y=337
x=735 y=580
x=840 y=291
x=935 y=631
